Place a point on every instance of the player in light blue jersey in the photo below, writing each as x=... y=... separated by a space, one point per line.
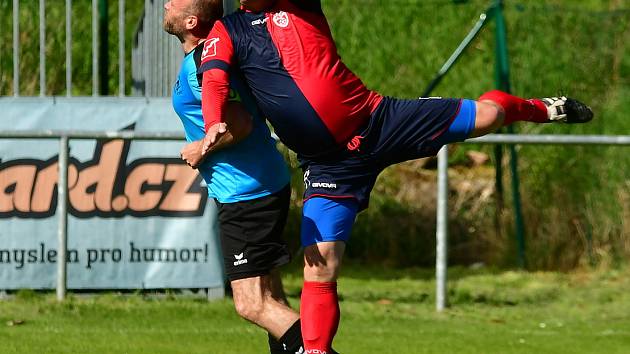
x=251 y=189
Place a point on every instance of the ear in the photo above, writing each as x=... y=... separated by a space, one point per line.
x=191 y=22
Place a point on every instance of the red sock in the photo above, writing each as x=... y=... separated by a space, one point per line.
x=518 y=109
x=319 y=313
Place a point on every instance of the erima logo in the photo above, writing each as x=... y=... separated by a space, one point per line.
x=324 y=185
x=281 y=19
x=209 y=48
x=260 y=21
x=239 y=259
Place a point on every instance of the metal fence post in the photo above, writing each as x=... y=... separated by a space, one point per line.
x=103 y=46
x=121 y=48
x=503 y=82
x=42 y=48
x=16 y=48
x=95 y=41
x=62 y=206
x=441 y=253
x=69 y=48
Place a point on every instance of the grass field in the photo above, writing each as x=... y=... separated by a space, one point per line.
x=383 y=311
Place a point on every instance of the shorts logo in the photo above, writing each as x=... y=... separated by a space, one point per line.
x=307 y=182
x=281 y=19
x=324 y=185
x=209 y=48
x=239 y=259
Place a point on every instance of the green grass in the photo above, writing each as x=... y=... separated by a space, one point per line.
x=383 y=311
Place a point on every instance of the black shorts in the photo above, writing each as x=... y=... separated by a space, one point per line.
x=398 y=130
x=251 y=235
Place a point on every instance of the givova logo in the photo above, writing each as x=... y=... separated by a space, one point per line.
x=104 y=186
x=307 y=182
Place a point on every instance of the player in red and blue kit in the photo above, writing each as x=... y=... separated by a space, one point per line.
x=344 y=134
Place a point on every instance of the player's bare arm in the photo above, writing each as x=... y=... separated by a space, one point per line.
x=238 y=126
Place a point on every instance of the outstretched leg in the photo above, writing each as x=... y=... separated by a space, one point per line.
x=496 y=109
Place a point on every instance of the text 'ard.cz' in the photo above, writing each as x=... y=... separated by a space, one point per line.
x=105 y=186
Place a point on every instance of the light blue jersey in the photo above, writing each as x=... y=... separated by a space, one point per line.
x=251 y=169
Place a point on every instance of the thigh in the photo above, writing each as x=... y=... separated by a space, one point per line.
x=345 y=180
x=327 y=220
x=251 y=235
x=461 y=127
x=403 y=130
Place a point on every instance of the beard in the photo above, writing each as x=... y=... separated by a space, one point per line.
x=171 y=28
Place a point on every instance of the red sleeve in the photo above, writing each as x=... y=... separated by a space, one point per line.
x=216 y=59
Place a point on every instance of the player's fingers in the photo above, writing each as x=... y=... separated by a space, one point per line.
x=222 y=128
x=206 y=146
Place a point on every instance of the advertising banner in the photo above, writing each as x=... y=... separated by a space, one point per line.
x=138 y=216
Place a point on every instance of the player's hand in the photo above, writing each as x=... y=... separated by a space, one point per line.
x=213 y=134
x=191 y=153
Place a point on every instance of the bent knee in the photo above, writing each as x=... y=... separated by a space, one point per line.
x=489 y=117
x=321 y=269
x=249 y=310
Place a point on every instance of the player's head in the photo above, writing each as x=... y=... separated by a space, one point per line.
x=196 y=17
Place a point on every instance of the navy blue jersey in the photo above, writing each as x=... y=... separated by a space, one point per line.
x=290 y=61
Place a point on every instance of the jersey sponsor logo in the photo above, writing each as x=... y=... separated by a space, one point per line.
x=281 y=19
x=316 y=351
x=239 y=259
x=260 y=21
x=209 y=48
